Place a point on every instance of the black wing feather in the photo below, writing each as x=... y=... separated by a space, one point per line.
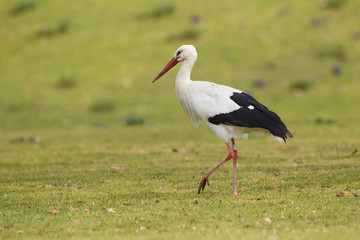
x=258 y=117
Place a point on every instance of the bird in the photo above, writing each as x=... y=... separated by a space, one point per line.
x=229 y=112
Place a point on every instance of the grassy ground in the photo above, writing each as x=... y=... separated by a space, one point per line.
x=91 y=149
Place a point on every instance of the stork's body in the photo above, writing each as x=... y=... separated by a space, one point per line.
x=229 y=112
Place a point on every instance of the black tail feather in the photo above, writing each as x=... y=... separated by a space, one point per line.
x=272 y=122
x=252 y=114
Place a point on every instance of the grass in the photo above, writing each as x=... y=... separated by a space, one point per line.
x=159 y=10
x=51 y=31
x=23 y=6
x=76 y=164
x=102 y=104
x=66 y=81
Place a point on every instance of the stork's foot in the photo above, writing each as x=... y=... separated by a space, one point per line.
x=204 y=180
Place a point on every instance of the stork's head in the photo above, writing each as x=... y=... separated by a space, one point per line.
x=183 y=53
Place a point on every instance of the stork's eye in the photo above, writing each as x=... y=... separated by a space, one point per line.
x=178 y=53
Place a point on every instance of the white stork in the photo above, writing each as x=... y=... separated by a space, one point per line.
x=229 y=112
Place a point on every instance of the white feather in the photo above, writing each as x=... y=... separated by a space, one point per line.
x=202 y=100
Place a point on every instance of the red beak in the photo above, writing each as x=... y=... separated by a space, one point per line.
x=168 y=66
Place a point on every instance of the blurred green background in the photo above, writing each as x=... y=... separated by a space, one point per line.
x=79 y=117
x=65 y=64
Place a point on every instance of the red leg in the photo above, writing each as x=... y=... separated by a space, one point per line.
x=205 y=178
x=234 y=166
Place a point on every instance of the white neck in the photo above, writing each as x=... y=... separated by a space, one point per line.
x=184 y=72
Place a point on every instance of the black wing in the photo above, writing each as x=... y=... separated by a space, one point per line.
x=252 y=114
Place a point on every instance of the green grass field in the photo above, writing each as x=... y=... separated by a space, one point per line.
x=91 y=149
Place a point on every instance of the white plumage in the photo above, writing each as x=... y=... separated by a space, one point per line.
x=203 y=100
x=229 y=112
